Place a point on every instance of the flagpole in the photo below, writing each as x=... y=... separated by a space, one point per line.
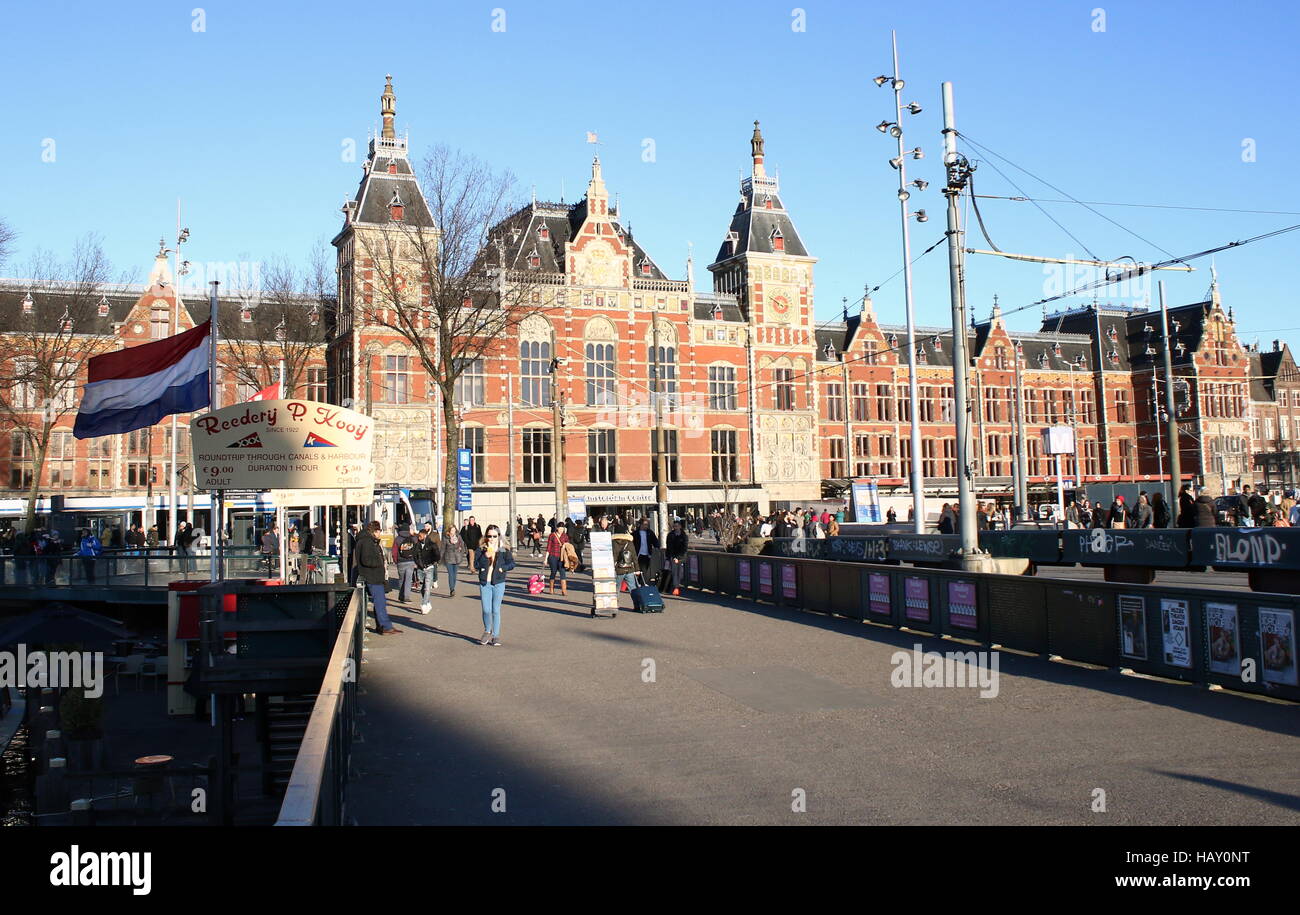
x=172 y=508
x=216 y=499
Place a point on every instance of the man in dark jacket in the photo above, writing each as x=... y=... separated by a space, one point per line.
x=1186 y=507
x=373 y=570
x=1258 y=506
x=647 y=542
x=676 y=550
x=472 y=535
x=427 y=555
x=1144 y=515
x=1203 y=513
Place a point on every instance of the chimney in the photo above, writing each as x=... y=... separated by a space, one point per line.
x=1277 y=346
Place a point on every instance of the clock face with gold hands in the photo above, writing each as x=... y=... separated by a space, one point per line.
x=780 y=304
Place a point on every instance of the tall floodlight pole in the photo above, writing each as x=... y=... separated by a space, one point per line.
x=895 y=129
x=958 y=173
x=1175 y=459
x=510 y=456
x=1022 y=460
x=173 y=510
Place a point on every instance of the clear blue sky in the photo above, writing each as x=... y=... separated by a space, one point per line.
x=246 y=120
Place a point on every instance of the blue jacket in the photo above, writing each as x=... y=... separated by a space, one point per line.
x=505 y=562
x=90 y=546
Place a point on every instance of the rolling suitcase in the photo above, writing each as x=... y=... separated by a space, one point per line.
x=646 y=598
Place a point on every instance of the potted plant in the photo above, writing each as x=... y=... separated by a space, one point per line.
x=82 y=722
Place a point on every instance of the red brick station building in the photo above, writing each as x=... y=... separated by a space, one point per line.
x=761 y=405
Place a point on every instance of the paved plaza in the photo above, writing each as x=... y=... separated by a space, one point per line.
x=752 y=708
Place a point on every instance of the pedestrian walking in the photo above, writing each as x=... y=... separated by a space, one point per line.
x=453 y=554
x=1159 y=511
x=1186 y=507
x=404 y=549
x=493 y=561
x=427 y=556
x=676 y=550
x=90 y=549
x=373 y=570
x=647 y=542
x=1203 y=510
x=1145 y=513
x=556 y=541
x=472 y=535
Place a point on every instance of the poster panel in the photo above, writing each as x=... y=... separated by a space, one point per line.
x=1176 y=632
x=744 y=572
x=1223 y=637
x=962 y=611
x=878 y=597
x=765 y=578
x=1277 y=645
x=789 y=582
x=1132 y=627
x=916 y=598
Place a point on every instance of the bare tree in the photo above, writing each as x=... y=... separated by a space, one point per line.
x=7 y=236
x=44 y=348
x=444 y=289
x=281 y=322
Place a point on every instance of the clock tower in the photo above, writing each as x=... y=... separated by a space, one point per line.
x=763 y=262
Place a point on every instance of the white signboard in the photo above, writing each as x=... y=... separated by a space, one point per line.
x=1058 y=440
x=1176 y=632
x=283 y=444
x=304 y=498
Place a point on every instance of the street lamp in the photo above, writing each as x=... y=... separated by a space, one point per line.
x=899 y=163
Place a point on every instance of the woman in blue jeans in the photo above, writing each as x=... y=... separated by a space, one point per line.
x=492 y=560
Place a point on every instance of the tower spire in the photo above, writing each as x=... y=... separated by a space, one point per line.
x=756 y=151
x=388 y=108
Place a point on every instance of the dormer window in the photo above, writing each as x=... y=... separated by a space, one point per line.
x=65 y=322
x=1042 y=359
x=1113 y=356
x=717 y=312
x=767 y=202
x=1111 y=332
x=466 y=302
x=778 y=240
x=246 y=313
x=103 y=307
x=395 y=207
x=938 y=345
x=1078 y=360
x=1181 y=347
x=543 y=231
x=392 y=166
x=28 y=305
x=534 y=260
x=920 y=355
x=1056 y=348
x=733 y=242
x=830 y=351
x=645 y=268
x=313 y=316
x=893 y=340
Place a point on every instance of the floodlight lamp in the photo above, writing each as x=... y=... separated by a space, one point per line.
x=921 y=217
x=882 y=126
x=896 y=162
x=918 y=153
x=895 y=131
x=913 y=107
x=881 y=80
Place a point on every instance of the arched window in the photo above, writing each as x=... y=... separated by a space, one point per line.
x=535 y=362
x=601 y=338
x=663 y=363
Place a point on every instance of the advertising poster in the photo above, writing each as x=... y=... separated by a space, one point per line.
x=878 y=594
x=961 y=605
x=789 y=582
x=1277 y=646
x=765 y=578
x=283 y=444
x=1176 y=632
x=1222 y=635
x=916 y=598
x=577 y=508
x=1132 y=627
x=744 y=570
x=861 y=502
x=873 y=514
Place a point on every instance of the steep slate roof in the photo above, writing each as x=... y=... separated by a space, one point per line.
x=705 y=302
x=754 y=225
x=376 y=190
x=1261 y=387
x=48 y=308
x=521 y=232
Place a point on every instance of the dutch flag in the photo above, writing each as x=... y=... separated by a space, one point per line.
x=134 y=388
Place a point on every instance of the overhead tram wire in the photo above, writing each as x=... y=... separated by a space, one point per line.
x=1151 y=206
x=1117 y=225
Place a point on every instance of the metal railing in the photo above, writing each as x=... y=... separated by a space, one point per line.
x=317 y=789
x=150 y=567
x=1234 y=639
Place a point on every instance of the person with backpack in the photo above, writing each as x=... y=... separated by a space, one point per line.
x=556 y=541
x=676 y=550
x=493 y=561
x=625 y=564
x=89 y=550
x=427 y=555
x=404 y=550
